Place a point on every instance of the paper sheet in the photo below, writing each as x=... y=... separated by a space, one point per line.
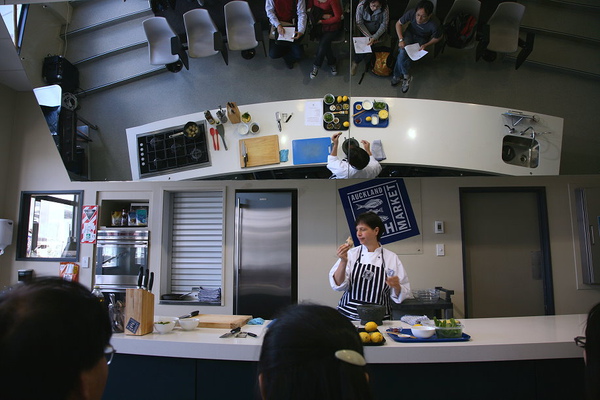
x=288 y=35
x=313 y=113
x=413 y=51
x=361 y=45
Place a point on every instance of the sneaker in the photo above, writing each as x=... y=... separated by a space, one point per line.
x=289 y=64
x=406 y=84
x=395 y=80
x=333 y=70
x=353 y=68
x=314 y=72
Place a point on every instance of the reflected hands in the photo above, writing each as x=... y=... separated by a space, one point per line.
x=393 y=282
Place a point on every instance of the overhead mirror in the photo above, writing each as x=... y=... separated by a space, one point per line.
x=49 y=226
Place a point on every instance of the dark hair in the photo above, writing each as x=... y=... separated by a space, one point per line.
x=592 y=353
x=425 y=5
x=383 y=4
x=358 y=157
x=50 y=331
x=372 y=220
x=297 y=359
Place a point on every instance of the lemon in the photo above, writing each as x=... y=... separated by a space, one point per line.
x=376 y=337
x=346 y=124
x=383 y=114
x=345 y=98
x=339 y=99
x=370 y=326
x=364 y=337
x=368 y=119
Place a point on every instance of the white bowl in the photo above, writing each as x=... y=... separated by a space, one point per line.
x=367 y=105
x=189 y=324
x=164 y=324
x=242 y=129
x=423 y=332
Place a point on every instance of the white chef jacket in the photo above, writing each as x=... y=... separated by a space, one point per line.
x=391 y=262
x=342 y=169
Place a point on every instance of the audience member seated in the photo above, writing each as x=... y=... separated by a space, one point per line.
x=326 y=16
x=359 y=164
x=372 y=20
x=312 y=352
x=417 y=25
x=286 y=13
x=591 y=354
x=54 y=336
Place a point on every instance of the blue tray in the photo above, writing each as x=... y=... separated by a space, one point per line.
x=434 y=338
x=360 y=120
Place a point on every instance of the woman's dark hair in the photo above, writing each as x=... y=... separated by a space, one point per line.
x=358 y=157
x=425 y=5
x=592 y=353
x=297 y=359
x=372 y=220
x=50 y=331
x=383 y=4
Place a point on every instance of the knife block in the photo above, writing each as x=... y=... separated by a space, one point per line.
x=233 y=113
x=139 y=312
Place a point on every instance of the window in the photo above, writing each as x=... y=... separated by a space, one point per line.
x=195 y=240
x=49 y=226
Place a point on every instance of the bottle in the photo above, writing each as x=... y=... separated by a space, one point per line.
x=99 y=295
x=124 y=218
x=209 y=118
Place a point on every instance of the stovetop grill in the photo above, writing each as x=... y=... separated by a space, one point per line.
x=169 y=151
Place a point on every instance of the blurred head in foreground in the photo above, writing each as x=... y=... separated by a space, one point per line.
x=592 y=353
x=312 y=352
x=53 y=339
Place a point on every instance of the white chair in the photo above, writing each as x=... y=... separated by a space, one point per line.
x=159 y=34
x=243 y=33
x=504 y=27
x=203 y=37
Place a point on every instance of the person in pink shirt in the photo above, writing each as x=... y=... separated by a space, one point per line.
x=327 y=16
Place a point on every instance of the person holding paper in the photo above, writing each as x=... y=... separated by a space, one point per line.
x=359 y=164
x=418 y=25
x=290 y=14
x=372 y=19
x=330 y=24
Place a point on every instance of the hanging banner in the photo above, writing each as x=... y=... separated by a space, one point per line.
x=89 y=224
x=389 y=200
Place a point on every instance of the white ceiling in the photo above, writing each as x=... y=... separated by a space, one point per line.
x=12 y=74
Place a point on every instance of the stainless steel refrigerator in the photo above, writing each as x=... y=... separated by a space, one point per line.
x=266 y=269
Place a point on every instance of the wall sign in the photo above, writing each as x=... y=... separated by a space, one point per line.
x=89 y=224
x=389 y=200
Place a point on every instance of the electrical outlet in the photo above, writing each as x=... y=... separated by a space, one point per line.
x=439 y=227
x=440 y=250
x=85 y=262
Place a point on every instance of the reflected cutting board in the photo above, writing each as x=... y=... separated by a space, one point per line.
x=222 y=321
x=310 y=151
x=262 y=150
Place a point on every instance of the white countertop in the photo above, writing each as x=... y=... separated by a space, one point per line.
x=492 y=339
x=420 y=132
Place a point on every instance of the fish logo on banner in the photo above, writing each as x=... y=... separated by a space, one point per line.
x=389 y=200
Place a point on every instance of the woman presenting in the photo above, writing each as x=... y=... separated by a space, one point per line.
x=368 y=274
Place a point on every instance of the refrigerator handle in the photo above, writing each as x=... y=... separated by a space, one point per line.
x=238 y=233
x=592 y=239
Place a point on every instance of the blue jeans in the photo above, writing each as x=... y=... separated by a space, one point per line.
x=324 y=49
x=290 y=51
x=402 y=64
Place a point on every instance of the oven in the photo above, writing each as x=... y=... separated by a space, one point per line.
x=119 y=255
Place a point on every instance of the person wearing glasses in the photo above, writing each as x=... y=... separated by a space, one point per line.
x=54 y=342
x=591 y=353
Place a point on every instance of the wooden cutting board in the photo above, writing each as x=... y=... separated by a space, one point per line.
x=222 y=321
x=263 y=150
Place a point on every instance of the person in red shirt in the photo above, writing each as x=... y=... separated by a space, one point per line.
x=285 y=13
x=328 y=17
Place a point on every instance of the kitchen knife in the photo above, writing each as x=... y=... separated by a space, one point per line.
x=230 y=333
x=288 y=118
x=190 y=315
x=278 y=118
x=245 y=153
x=221 y=131
x=140 y=277
x=146 y=277
x=151 y=281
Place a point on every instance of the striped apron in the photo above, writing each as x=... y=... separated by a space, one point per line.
x=367 y=286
